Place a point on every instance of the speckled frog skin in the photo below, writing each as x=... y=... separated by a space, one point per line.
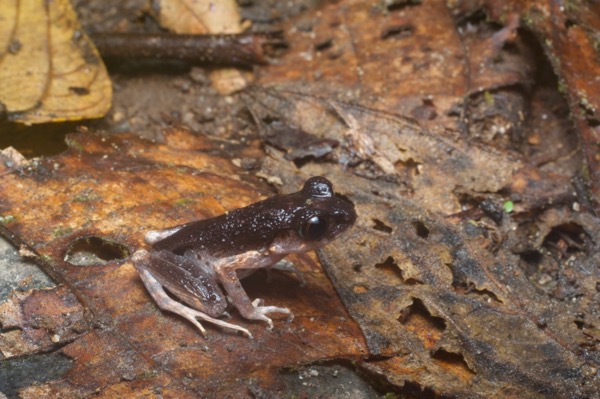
x=193 y=261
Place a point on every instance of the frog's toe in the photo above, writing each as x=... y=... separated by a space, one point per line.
x=261 y=312
x=190 y=315
x=290 y=317
x=193 y=315
x=257 y=302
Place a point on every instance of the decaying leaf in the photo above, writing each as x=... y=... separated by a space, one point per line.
x=449 y=308
x=472 y=270
x=456 y=295
x=203 y=17
x=84 y=212
x=40 y=320
x=49 y=69
x=379 y=144
x=569 y=38
x=455 y=77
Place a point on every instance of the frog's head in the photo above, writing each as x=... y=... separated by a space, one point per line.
x=324 y=216
x=310 y=218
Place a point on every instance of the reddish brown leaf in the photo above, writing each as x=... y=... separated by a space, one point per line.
x=99 y=198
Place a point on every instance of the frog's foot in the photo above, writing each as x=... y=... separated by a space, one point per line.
x=192 y=315
x=260 y=312
x=165 y=302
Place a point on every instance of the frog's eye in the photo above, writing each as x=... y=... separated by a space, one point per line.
x=315 y=228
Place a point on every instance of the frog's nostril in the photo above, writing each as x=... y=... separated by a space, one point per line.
x=95 y=250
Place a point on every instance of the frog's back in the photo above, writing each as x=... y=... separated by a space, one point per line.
x=244 y=229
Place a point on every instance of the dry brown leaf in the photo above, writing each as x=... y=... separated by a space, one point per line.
x=434 y=64
x=447 y=308
x=207 y=17
x=409 y=60
x=570 y=42
x=49 y=69
x=372 y=139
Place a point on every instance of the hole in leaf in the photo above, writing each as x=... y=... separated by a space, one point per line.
x=454 y=363
x=413 y=389
x=420 y=228
x=390 y=268
x=593 y=122
x=589 y=331
x=580 y=322
x=530 y=261
x=80 y=91
x=380 y=226
x=399 y=5
x=468 y=288
x=569 y=23
x=541 y=322
x=324 y=44
x=36 y=140
x=408 y=169
x=531 y=257
x=93 y=251
x=566 y=239
x=397 y=31
x=467 y=202
x=426 y=111
x=417 y=319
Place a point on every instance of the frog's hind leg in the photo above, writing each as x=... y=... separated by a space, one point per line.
x=165 y=302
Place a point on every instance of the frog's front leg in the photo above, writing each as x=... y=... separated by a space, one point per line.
x=180 y=276
x=227 y=272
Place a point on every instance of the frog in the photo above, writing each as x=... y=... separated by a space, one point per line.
x=201 y=263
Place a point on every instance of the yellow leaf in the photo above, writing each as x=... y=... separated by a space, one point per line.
x=49 y=69
x=204 y=17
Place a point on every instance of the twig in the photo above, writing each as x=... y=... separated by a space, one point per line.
x=236 y=50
